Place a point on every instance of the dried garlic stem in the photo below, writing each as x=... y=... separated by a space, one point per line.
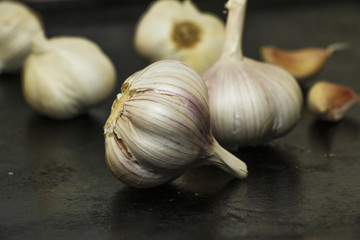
x=234 y=29
x=337 y=47
x=227 y=161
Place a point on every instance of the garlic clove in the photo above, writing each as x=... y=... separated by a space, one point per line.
x=65 y=76
x=18 y=24
x=178 y=30
x=250 y=102
x=329 y=101
x=302 y=63
x=160 y=126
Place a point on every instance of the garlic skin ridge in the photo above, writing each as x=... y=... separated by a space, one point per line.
x=65 y=76
x=250 y=102
x=171 y=29
x=18 y=24
x=159 y=127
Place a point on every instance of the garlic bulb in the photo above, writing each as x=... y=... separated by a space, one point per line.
x=64 y=76
x=170 y=29
x=250 y=102
x=159 y=126
x=329 y=101
x=18 y=24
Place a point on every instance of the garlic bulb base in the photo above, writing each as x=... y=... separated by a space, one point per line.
x=178 y=30
x=124 y=167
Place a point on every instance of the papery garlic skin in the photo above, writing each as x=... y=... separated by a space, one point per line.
x=302 y=63
x=170 y=29
x=250 y=102
x=65 y=76
x=159 y=127
x=18 y=24
x=329 y=101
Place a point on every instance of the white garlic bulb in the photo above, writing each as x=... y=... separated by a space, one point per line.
x=170 y=29
x=65 y=76
x=250 y=102
x=159 y=127
x=18 y=24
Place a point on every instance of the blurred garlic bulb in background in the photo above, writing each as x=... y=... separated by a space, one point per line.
x=159 y=126
x=170 y=29
x=302 y=63
x=65 y=76
x=250 y=102
x=18 y=24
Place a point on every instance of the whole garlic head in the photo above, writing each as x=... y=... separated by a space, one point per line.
x=18 y=24
x=65 y=76
x=250 y=102
x=159 y=127
x=171 y=29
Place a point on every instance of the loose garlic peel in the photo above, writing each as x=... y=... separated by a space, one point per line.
x=65 y=76
x=178 y=30
x=159 y=126
x=329 y=101
x=18 y=24
x=302 y=63
x=250 y=102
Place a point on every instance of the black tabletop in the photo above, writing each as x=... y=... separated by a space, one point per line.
x=54 y=182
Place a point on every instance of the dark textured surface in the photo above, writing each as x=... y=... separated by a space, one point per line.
x=55 y=185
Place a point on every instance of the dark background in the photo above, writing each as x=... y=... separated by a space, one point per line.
x=54 y=183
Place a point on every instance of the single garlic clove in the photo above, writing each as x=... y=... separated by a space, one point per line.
x=250 y=102
x=303 y=63
x=160 y=126
x=18 y=24
x=329 y=101
x=65 y=76
x=178 y=30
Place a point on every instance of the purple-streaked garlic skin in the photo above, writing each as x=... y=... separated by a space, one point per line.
x=250 y=102
x=160 y=126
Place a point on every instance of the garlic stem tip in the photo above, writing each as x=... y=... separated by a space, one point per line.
x=234 y=3
x=337 y=47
